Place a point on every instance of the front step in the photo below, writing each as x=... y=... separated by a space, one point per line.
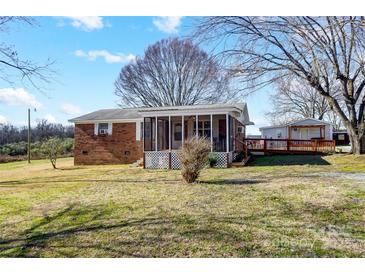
x=138 y=163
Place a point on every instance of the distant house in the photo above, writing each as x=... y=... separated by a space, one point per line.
x=123 y=136
x=305 y=129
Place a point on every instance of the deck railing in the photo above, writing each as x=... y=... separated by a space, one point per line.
x=290 y=146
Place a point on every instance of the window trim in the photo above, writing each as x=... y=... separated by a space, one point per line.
x=109 y=128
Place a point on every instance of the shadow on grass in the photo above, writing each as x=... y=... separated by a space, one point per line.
x=62 y=179
x=71 y=168
x=38 y=235
x=94 y=232
x=152 y=236
x=233 y=182
x=288 y=160
x=70 y=179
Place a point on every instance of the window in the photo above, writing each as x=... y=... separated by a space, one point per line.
x=341 y=137
x=103 y=128
x=203 y=128
x=177 y=132
x=240 y=129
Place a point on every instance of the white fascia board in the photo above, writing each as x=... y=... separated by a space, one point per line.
x=109 y=121
x=189 y=112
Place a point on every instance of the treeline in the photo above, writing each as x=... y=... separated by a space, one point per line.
x=36 y=149
x=10 y=134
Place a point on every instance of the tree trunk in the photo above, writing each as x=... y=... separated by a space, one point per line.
x=356 y=136
x=357 y=142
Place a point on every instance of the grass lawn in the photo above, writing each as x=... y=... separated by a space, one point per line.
x=282 y=206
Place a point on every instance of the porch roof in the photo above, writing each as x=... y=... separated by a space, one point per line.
x=239 y=111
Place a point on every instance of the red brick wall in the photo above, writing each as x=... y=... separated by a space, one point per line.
x=119 y=148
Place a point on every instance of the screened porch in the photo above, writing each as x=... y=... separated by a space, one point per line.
x=164 y=136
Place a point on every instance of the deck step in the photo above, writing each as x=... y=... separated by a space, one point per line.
x=240 y=164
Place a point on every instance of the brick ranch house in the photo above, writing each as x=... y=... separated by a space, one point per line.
x=156 y=134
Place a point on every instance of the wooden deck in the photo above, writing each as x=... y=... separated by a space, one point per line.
x=286 y=146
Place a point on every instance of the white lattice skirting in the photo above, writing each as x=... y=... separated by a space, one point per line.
x=156 y=159
x=175 y=161
x=165 y=159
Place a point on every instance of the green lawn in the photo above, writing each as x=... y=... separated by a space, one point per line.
x=282 y=206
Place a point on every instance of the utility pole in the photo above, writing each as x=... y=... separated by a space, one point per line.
x=28 y=135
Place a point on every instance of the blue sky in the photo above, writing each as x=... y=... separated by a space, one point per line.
x=89 y=53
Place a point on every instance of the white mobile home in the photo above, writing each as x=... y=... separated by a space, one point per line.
x=305 y=129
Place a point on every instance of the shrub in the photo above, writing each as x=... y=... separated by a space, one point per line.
x=68 y=145
x=193 y=157
x=52 y=148
x=212 y=159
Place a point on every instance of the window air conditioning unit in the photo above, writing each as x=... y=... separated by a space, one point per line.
x=103 y=131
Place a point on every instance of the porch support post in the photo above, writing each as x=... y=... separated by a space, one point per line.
x=211 y=132
x=182 y=130
x=170 y=133
x=227 y=132
x=156 y=133
x=196 y=125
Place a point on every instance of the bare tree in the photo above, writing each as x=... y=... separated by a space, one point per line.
x=172 y=72
x=13 y=68
x=320 y=50
x=294 y=99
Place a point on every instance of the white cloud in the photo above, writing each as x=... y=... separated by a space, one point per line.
x=18 y=97
x=50 y=118
x=70 y=109
x=168 y=24
x=86 y=23
x=3 y=120
x=92 y=55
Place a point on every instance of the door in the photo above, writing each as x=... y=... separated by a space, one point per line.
x=222 y=135
x=304 y=134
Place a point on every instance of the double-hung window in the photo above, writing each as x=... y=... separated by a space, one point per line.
x=103 y=128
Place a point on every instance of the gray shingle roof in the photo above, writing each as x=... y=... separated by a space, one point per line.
x=109 y=114
x=240 y=106
x=134 y=113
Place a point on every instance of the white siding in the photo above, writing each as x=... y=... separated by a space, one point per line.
x=300 y=133
x=274 y=133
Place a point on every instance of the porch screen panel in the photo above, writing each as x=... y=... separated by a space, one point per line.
x=149 y=133
x=162 y=133
x=219 y=133
x=176 y=132
x=230 y=131
x=203 y=126
x=189 y=122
